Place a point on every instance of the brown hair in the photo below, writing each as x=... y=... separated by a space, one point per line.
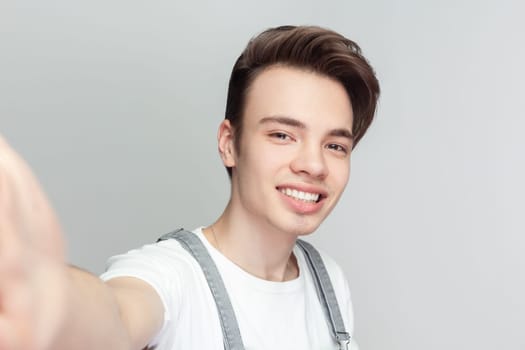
x=312 y=48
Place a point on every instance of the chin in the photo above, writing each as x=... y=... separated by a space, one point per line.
x=303 y=227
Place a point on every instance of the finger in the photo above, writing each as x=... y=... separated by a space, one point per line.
x=24 y=204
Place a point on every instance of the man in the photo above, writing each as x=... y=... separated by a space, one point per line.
x=299 y=100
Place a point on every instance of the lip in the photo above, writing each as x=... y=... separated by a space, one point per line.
x=305 y=188
x=302 y=207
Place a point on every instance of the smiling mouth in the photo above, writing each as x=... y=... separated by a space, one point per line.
x=306 y=197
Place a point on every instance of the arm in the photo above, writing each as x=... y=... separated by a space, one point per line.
x=44 y=304
x=123 y=313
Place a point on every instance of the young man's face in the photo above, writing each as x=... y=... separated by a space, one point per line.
x=294 y=158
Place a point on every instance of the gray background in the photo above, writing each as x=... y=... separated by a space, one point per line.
x=115 y=104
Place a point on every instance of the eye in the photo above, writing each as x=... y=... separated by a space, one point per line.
x=338 y=148
x=281 y=136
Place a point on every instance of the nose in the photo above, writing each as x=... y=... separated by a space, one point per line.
x=310 y=160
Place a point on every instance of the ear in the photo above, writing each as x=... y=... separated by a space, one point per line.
x=225 y=138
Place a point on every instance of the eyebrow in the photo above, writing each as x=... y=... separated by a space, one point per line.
x=283 y=120
x=342 y=133
x=297 y=124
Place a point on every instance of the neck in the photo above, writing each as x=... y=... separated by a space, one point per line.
x=257 y=248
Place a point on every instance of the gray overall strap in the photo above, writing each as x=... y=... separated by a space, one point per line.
x=230 y=329
x=326 y=293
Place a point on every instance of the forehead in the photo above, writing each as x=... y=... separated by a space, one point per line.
x=312 y=98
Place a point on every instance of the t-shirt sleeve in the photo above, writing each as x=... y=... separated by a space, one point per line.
x=155 y=264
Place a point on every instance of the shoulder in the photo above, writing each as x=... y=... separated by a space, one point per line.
x=165 y=266
x=162 y=265
x=340 y=285
x=335 y=271
x=158 y=256
x=165 y=260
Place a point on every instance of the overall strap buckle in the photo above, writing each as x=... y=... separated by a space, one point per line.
x=343 y=339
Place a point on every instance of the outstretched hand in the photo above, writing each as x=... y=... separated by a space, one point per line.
x=32 y=268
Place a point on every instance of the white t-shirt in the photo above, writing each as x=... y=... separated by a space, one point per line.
x=271 y=315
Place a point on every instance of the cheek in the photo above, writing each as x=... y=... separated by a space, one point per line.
x=341 y=173
x=265 y=156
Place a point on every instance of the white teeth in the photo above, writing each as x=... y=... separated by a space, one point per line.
x=303 y=196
